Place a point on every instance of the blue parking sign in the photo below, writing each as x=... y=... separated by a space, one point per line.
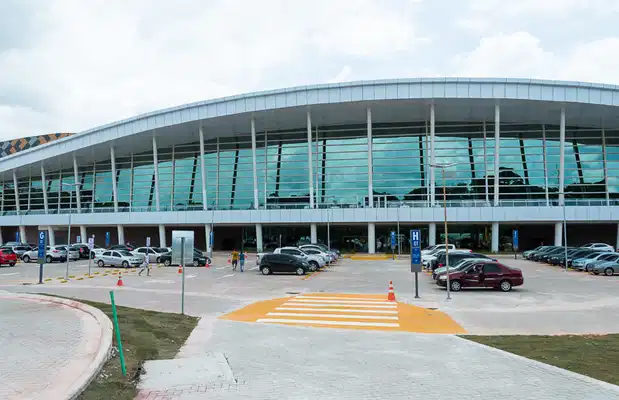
x=415 y=250
x=107 y=239
x=17 y=237
x=41 y=249
x=392 y=239
x=515 y=238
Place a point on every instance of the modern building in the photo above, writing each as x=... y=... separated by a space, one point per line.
x=346 y=163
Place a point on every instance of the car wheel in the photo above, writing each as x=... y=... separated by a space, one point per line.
x=609 y=271
x=196 y=263
x=26 y=259
x=505 y=286
x=48 y=259
x=100 y=263
x=167 y=263
x=265 y=270
x=11 y=264
x=313 y=266
x=300 y=271
x=125 y=264
x=595 y=273
x=158 y=260
x=455 y=286
x=208 y=261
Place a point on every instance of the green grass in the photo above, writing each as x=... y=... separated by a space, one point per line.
x=593 y=355
x=145 y=335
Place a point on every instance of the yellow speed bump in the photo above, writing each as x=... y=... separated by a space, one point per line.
x=48 y=279
x=347 y=311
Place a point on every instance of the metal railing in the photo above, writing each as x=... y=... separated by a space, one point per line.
x=330 y=205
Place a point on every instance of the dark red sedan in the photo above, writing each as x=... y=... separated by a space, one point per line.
x=8 y=257
x=485 y=274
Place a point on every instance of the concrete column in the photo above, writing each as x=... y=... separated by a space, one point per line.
x=162 y=241
x=562 y=157
x=114 y=191
x=314 y=233
x=558 y=233
x=371 y=238
x=370 y=161
x=203 y=172
x=494 y=245
x=156 y=172
x=22 y=234
x=121 y=234
x=253 y=161
x=1 y=238
x=78 y=200
x=432 y=234
x=432 y=159
x=616 y=244
x=310 y=170
x=545 y=159
x=259 y=241
x=51 y=237
x=16 y=191
x=83 y=237
x=44 y=186
x=604 y=159
x=497 y=151
x=208 y=228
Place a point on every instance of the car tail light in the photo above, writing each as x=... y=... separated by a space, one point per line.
x=55 y=251
x=440 y=265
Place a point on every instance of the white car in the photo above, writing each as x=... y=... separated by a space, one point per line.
x=154 y=253
x=317 y=252
x=599 y=247
x=118 y=258
x=436 y=248
x=330 y=256
x=428 y=258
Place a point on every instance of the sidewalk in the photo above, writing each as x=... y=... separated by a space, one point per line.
x=51 y=348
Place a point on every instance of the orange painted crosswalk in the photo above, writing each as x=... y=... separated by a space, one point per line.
x=350 y=311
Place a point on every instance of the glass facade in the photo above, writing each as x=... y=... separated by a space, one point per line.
x=401 y=156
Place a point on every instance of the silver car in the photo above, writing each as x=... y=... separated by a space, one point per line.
x=154 y=253
x=608 y=268
x=118 y=258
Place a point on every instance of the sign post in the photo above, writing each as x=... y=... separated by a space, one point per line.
x=148 y=250
x=107 y=240
x=41 y=254
x=182 y=255
x=393 y=245
x=515 y=243
x=91 y=245
x=416 y=257
x=17 y=237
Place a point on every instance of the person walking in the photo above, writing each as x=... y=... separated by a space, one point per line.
x=145 y=267
x=242 y=260
x=235 y=259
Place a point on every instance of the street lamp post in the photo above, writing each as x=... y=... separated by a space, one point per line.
x=71 y=186
x=443 y=167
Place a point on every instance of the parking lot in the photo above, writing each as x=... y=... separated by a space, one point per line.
x=551 y=301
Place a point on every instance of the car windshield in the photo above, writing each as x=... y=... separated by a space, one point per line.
x=125 y=253
x=592 y=255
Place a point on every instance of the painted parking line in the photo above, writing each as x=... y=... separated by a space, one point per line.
x=346 y=311
x=226 y=276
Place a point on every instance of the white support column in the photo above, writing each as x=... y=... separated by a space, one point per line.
x=545 y=160
x=370 y=165
x=93 y=198
x=558 y=233
x=426 y=162
x=432 y=157
x=217 y=176
x=371 y=238
x=259 y=241
x=156 y=165
x=16 y=191
x=44 y=187
x=76 y=189
x=203 y=172
x=497 y=151
x=51 y=237
x=605 y=167
x=121 y=234
x=487 y=196
x=131 y=179
x=309 y=158
x=562 y=157
x=253 y=162
x=22 y=234
x=83 y=233
x=208 y=228
x=114 y=190
x=162 y=238
x=616 y=242
x=494 y=246
x=313 y=233
x=432 y=234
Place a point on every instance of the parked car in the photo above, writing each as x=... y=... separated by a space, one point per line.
x=118 y=258
x=455 y=257
x=83 y=249
x=7 y=257
x=286 y=263
x=431 y=262
x=571 y=255
x=331 y=255
x=580 y=262
x=96 y=251
x=608 y=268
x=19 y=250
x=459 y=265
x=315 y=261
x=73 y=252
x=483 y=275
x=588 y=264
x=436 y=247
x=536 y=255
x=125 y=247
x=528 y=253
x=199 y=260
x=314 y=251
x=154 y=253
x=599 y=247
x=55 y=253
x=557 y=251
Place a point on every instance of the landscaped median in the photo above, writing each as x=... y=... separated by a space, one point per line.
x=595 y=356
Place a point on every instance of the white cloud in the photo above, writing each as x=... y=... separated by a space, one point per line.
x=552 y=8
x=343 y=75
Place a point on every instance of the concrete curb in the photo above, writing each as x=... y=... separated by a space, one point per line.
x=105 y=345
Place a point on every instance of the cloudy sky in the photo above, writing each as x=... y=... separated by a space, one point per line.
x=69 y=65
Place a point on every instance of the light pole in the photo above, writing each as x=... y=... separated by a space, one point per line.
x=564 y=231
x=71 y=186
x=443 y=167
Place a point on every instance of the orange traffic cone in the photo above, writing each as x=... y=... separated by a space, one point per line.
x=229 y=260
x=120 y=280
x=207 y=265
x=391 y=295
x=180 y=269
